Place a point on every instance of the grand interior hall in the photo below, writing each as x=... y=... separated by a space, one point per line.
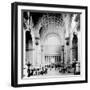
x=51 y=43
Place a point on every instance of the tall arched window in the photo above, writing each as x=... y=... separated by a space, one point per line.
x=75 y=47
x=28 y=41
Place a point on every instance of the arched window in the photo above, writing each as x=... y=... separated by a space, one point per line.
x=28 y=41
x=75 y=47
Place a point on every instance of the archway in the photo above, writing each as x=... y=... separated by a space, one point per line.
x=52 y=49
x=75 y=47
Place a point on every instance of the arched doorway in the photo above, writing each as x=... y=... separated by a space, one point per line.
x=28 y=47
x=52 y=50
x=75 y=47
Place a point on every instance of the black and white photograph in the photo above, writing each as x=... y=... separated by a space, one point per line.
x=51 y=44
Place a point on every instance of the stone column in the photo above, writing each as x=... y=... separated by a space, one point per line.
x=24 y=72
x=71 y=38
x=79 y=45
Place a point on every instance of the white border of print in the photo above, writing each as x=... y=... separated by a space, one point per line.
x=82 y=55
